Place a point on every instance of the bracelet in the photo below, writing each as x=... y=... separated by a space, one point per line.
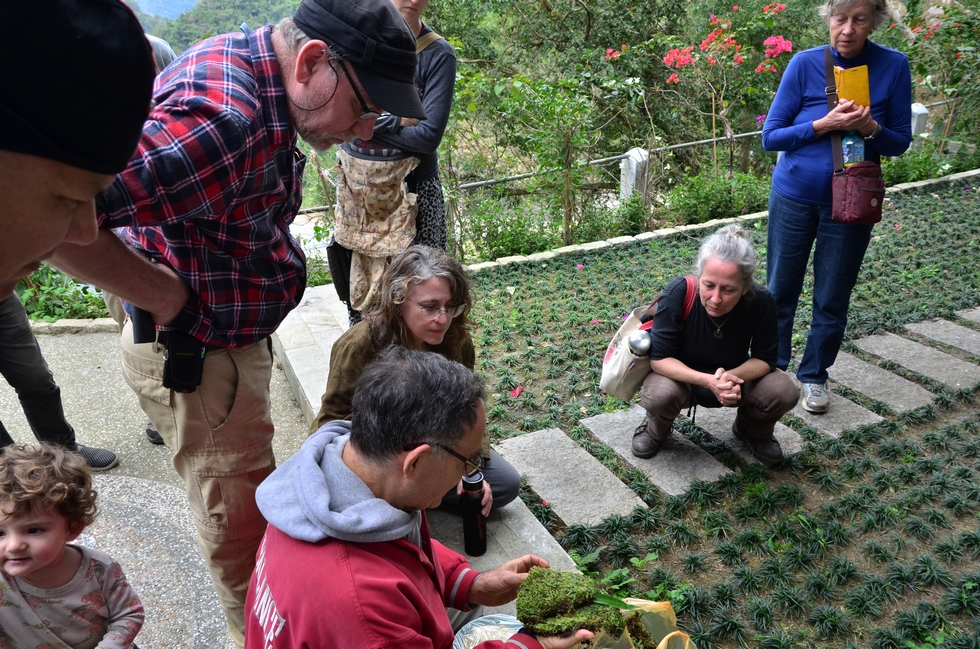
x=875 y=132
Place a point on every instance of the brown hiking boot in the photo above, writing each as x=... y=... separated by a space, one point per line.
x=766 y=450
x=644 y=444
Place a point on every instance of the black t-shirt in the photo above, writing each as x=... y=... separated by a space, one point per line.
x=749 y=331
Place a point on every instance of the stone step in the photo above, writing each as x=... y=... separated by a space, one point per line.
x=717 y=422
x=843 y=414
x=512 y=532
x=576 y=485
x=970 y=314
x=877 y=383
x=147 y=527
x=946 y=369
x=678 y=463
x=948 y=333
x=302 y=344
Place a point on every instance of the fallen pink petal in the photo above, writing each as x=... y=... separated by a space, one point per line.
x=580 y=266
x=594 y=321
x=516 y=392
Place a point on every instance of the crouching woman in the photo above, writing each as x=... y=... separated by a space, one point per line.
x=722 y=354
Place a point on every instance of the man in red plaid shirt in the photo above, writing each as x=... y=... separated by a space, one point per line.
x=205 y=207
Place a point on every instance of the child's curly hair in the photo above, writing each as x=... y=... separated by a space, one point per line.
x=46 y=479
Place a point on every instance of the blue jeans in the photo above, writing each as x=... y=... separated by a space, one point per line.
x=837 y=257
x=24 y=368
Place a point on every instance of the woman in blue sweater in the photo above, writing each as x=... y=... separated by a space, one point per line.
x=799 y=125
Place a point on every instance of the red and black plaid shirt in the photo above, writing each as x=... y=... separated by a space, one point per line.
x=213 y=187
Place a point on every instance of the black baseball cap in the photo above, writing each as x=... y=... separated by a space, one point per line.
x=77 y=82
x=375 y=40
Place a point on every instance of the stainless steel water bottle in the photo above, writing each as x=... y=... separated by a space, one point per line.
x=474 y=522
x=639 y=342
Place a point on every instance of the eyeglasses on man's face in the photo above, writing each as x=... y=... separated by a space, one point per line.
x=433 y=313
x=366 y=113
x=472 y=465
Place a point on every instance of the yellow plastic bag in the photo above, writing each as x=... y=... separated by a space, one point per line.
x=657 y=620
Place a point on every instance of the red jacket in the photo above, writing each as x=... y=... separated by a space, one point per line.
x=340 y=595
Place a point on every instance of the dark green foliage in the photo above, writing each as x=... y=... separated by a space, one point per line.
x=717 y=524
x=622 y=548
x=580 y=538
x=725 y=595
x=614 y=524
x=703 y=494
x=901 y=577
x=918 y=528
x=820 y=587
x=760 y=613
x=697 y=602
x=775 y=572
x=682 y=533
x=729 y=552
x=948 y=550
x=647 y=519
x=886 y=638
x=694 y=562
x=663 y=578
x=727 y=625
x=791 y=602
x=929 y=573
x=875 y=551
x=826 y=480
x=829 y=621
x=778 y=639
x=862 y=604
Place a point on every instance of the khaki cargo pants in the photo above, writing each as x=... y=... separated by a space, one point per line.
x=221 y=436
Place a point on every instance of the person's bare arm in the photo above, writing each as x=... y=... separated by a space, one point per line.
x=111 y=265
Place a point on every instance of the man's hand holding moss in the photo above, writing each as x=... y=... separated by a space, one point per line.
x=499 y=586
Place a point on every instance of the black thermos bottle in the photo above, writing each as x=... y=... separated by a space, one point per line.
x=474 y=523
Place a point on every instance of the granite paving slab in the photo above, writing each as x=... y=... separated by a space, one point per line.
x=303 y=341
x=678 y=463
x=576 y=485
x=512 y=532
x=843 y=414
x=970 y=314
x=948 y=333
x=877 y=383
x=717 y=422
x=946 y=369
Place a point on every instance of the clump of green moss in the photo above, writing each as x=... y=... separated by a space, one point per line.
x=551 y=602
x=546 y=593
x=594 y=617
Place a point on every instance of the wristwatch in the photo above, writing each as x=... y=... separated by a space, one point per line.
x=875 y=132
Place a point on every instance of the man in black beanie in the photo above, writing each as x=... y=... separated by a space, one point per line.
x=71 y=113
x=205 y=207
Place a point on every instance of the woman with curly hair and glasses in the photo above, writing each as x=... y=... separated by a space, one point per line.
x=424 y=304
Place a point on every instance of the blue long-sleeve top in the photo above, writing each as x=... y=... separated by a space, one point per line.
x=435 y=78
x=804 y=171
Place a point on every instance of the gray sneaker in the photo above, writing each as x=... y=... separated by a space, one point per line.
x=816 y=397
x=98 y=459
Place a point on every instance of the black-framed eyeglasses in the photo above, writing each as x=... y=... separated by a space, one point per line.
x=432 y=313
x=366 y=113
x=472 y=465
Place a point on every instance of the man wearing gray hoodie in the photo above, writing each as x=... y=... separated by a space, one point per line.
x=347 y=560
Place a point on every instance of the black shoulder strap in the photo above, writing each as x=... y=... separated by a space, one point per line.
x=831 y=90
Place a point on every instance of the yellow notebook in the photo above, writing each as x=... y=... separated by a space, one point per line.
x=852 y=84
